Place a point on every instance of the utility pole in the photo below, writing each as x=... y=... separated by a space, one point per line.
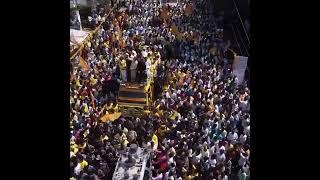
x=78 y=13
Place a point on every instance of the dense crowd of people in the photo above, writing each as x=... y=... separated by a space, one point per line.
x=201 y=123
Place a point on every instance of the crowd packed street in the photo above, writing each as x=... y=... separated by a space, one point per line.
x=201 y=122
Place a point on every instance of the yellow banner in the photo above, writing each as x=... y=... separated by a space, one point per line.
x=111 y=117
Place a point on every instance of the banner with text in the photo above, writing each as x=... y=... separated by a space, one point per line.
x=239 y=67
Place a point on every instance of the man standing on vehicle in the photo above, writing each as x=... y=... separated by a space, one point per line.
x=133 y=70
x=123 y=70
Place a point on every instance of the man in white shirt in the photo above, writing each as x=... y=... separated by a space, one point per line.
x=213 y=161
x=159 y=177
x=144 y=53
x=224 y=133
x=78 y=169
x=233 y=137
x=222 y=177
x=246 y=169
x=148 y=68
x=242 y=175
x=245 y=122
x=247 y=129
x=133 y=70
x=171 y=159
x=221 y=157
x=243 y=159
x=212 y=149
x=243 y=138
x=205 y=152
x=123 y=70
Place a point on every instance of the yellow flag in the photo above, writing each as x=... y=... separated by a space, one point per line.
x=155 y=141
x=93 y=81
x=95 y=70
x=146 y=112
x=122 y=43
x=180 y=36
x=174 y=115
x=78 y=83
x=164 y=14
x=83 y=64
x=189 y=10
x=111 y=117
x=174 y=29
x=104 y=118
x=119 y=33
x=86 y=109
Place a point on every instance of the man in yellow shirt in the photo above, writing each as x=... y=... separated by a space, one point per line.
x=83 y=164
x=93 y=81
x=155 y=141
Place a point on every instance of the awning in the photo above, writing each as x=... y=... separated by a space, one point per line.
x=76 y=36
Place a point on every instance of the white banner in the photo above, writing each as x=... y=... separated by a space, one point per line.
x=76 y=36
x=239 y=67
x=169 y=2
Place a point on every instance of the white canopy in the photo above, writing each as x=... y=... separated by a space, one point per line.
x=76 y=36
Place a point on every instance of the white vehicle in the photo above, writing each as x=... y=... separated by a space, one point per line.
x=133 y=164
